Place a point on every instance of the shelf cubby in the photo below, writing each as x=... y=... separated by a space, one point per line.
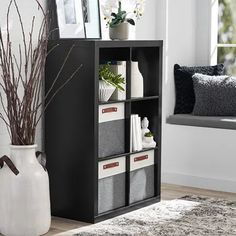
x=148 y=63
x=78 y=174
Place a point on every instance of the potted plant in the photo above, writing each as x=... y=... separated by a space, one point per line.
x=148 y=137
x=24 y=182
x=108 y=82
x=119 y=20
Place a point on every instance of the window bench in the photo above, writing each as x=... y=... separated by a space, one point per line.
x=219 y=122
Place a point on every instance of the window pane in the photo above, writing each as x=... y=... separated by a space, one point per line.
x=227 y=21
x=227 y=55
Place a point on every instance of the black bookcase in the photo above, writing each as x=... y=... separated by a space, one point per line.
x=72 y=122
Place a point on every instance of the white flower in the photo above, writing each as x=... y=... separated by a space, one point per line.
x=106 y=12
x=134 y=8
x=109 y=4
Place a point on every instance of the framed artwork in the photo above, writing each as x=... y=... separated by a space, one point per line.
x=70 y=18
x=91 y=14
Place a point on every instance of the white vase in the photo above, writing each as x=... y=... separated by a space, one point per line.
x=136 y=81
x=105 y=91
x=24 y=198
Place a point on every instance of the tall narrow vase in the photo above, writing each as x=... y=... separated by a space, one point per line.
x=24 y=198
x=136 y=81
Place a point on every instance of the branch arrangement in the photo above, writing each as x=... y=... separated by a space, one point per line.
x=25 y=73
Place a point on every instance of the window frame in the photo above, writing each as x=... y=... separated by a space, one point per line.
x=214 y=45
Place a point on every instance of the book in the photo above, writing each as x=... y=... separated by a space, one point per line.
x=135 y=133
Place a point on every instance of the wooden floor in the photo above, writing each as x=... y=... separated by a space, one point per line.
x=169 y=192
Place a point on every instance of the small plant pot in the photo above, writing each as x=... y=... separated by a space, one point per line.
x=120 y=32
x=105 y=91
x=148 y=139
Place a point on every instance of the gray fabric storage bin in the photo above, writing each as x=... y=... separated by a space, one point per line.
x=142 y=176
x=111 y=184
x=111 y=140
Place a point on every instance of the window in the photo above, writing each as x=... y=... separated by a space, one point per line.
x=226 y=47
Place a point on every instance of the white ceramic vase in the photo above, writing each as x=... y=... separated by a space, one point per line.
x=105 y=91
x=136 y=81
x=24 y=198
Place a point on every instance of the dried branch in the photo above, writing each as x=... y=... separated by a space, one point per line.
x=25 y=73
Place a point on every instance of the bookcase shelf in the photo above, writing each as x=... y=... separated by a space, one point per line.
x=83 y=182
x=130 y=100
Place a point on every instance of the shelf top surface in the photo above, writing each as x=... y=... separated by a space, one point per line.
x=113 y=43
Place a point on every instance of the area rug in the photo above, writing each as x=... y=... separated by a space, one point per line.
x=190 y=215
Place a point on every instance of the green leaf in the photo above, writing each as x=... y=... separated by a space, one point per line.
x=148 y=134
x=107 y=75
x=119 y=9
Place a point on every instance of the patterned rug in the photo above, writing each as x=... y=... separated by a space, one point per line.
x=190 y=215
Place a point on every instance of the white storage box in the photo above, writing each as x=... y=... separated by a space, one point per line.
x=111 y=184
x=111 y=129
x=141 y=176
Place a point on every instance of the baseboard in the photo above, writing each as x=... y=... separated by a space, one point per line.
x=199 y=182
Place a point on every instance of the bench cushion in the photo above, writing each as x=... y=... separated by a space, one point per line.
x=220 y=122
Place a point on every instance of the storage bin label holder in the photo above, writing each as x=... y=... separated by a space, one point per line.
x=111 y=112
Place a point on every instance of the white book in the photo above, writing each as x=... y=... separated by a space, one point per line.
x=134 y=134
x=138 y=132
x=131 y=134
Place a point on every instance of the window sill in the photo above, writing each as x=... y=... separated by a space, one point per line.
x=218 y=122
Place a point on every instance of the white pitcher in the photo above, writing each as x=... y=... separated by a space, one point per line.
x=24 y=198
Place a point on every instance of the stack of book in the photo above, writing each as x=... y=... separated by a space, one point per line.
x=135 y=133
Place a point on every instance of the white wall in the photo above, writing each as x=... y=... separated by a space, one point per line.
x=146 y=26
x=203 y=31
x=198 y=157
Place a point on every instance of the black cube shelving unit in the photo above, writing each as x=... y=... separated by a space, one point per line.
x=72 y=123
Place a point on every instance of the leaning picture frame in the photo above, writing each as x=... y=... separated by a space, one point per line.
x=91 y=14
x=70 y=19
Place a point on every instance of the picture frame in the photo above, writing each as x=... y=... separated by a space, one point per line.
x=70 y=19
x=92 y=21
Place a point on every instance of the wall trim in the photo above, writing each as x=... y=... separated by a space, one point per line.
x=199 y=182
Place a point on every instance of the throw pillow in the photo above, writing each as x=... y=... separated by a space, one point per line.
x=215 y=95
x=185 y=98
